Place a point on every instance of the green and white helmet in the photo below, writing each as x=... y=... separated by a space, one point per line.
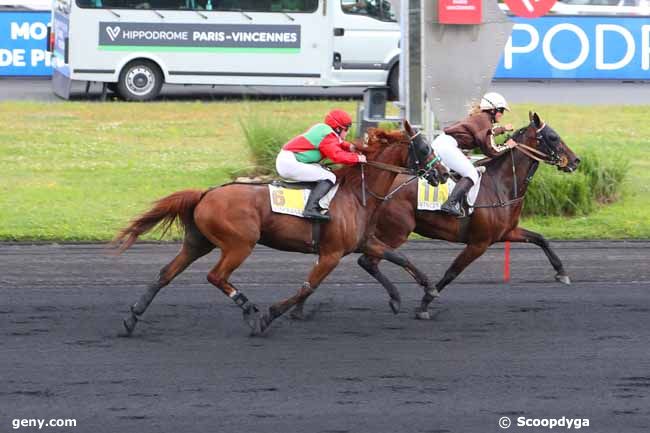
x=493 y=101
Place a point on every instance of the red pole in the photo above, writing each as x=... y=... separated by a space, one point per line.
x=506 y=263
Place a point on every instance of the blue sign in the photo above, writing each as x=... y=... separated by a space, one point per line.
x=578 y=48
x=23 y=44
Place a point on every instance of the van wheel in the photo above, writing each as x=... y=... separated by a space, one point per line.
x=393 y=83
x=140 y=80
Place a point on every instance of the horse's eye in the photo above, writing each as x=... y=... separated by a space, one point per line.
x=553 y=137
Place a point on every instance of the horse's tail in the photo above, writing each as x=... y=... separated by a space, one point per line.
x=176 y=207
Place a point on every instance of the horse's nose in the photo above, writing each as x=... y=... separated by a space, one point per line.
x=576 y=162
x=444 y=177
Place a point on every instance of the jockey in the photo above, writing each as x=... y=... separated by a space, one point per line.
x=478 y=130
x=301 y=158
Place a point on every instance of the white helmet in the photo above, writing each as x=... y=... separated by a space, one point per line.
x=493 y=101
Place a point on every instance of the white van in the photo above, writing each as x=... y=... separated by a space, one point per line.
x=137 y=45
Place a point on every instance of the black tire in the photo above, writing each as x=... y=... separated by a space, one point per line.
x=140 y=80
x=393 y=83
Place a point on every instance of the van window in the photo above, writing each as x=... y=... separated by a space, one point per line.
x=295 y=6
x=379 y=9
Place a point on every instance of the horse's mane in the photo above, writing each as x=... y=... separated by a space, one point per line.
x=351 y=175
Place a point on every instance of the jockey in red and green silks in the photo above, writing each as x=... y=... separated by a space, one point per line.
x=302 y=157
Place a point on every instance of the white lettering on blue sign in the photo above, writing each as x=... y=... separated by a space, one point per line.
x=577 y=47
x=27 y=31
x=15 y=58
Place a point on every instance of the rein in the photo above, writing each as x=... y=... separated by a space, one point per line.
x=389 y=167
x=530 y=152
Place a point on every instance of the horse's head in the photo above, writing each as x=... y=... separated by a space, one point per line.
x=416 y=153
x=544 y=139
x=422 y=156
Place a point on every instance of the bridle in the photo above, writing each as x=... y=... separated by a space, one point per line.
x=413 y=172
x=551 y=158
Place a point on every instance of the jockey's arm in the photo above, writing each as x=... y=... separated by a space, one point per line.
x=486 y=143
x=333 y=150
x=346 y=145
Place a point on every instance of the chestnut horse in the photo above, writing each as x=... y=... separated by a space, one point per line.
x=496 y=211
x=236 y=216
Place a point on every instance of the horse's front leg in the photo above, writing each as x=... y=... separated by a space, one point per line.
x=377 y=249
x=326 y=263
x=371 y=265
x=467 y=256
x=519 y=234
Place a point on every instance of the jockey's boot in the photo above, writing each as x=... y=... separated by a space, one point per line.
x=312 y=210
x=454 y=204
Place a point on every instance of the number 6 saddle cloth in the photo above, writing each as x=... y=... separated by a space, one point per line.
x=290 y=198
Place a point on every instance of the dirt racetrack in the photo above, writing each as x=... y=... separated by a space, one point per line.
x=533 y=348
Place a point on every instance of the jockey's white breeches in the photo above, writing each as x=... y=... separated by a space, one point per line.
x=290 y=168
x=447 y=149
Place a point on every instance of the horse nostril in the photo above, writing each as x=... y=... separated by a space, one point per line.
x=445 y=176
x=577 y=161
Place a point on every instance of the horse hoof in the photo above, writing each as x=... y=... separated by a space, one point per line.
x=563 y=278
x=297 y=315
x=262 y=323
x=252 y=316
x=422 y=315
x=395 y=305
x=129 y=326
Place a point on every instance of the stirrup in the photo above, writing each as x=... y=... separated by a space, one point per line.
x=315 y=215
x=454 y=210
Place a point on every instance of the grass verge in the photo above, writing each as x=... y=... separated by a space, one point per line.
x=78 y=171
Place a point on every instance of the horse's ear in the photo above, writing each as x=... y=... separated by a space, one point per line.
x=530 y=116
x=407 y=127
x=537 y=120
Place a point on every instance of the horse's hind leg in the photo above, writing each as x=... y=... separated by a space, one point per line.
x=193 y=248
x=467 y=256
x=522 y=235
x=232 y=256
x=371 y=265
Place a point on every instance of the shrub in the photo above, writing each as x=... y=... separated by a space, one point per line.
x=264 y=138
x=554 y=193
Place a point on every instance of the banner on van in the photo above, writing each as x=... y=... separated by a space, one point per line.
x=203 y=37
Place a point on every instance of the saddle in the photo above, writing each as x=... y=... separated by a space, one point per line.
x=289 y=198
x=290 y=184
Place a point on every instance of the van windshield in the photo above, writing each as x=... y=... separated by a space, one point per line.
x=379 y=9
